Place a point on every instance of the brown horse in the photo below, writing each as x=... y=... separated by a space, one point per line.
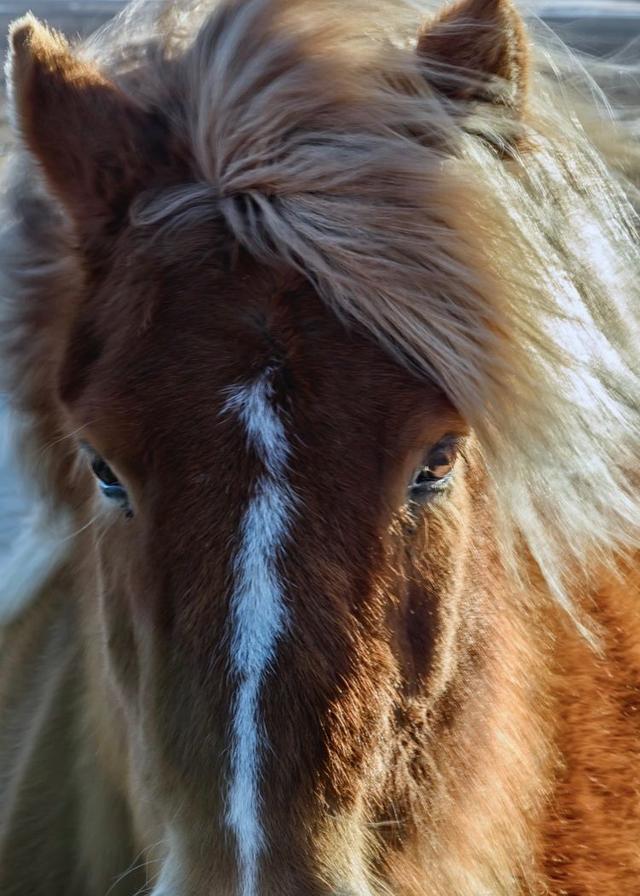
x=323 y=345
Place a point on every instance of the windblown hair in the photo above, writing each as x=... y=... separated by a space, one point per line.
x=494 y=253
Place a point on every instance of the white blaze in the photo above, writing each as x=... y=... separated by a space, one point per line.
x=258 y=614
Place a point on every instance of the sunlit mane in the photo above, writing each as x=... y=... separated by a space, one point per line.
x=509 y=276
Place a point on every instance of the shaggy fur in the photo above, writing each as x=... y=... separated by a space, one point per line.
x=419 y=239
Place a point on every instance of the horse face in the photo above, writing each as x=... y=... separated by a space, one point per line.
x=287 y=520
x=279 y=564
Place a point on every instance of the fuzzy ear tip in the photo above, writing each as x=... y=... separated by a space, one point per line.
x=31 y=45
x=21 y=33
x=30 y=38
x=19 y=61
x=494 y=6
x=489 y=9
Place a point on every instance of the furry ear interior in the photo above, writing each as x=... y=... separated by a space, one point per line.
x=95 y=146
x=477 y=50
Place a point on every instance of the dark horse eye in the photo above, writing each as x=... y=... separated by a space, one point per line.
x=108 y=482
x=435 y=472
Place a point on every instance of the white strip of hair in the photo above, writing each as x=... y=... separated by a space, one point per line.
x=258 y=613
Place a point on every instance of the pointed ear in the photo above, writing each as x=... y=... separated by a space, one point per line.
x=95 y=146
x=477 y=50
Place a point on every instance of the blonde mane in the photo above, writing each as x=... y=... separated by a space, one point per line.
x=495 y=257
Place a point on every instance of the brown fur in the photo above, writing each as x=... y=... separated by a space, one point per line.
x=588 y=844
x=484 y=38
x=60 y=94
x=437 y=725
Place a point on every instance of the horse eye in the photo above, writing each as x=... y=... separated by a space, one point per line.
x=103 y=472
x=108 y=482
x=435 y=473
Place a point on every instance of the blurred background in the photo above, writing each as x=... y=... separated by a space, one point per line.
x=600 y=28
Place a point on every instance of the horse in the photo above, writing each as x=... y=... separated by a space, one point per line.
x=320 y=331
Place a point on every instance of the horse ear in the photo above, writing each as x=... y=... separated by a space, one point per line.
x=93 y=143
x=477 y=50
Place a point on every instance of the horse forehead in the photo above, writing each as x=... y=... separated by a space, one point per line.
x=204 y=333
x=180 y=338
